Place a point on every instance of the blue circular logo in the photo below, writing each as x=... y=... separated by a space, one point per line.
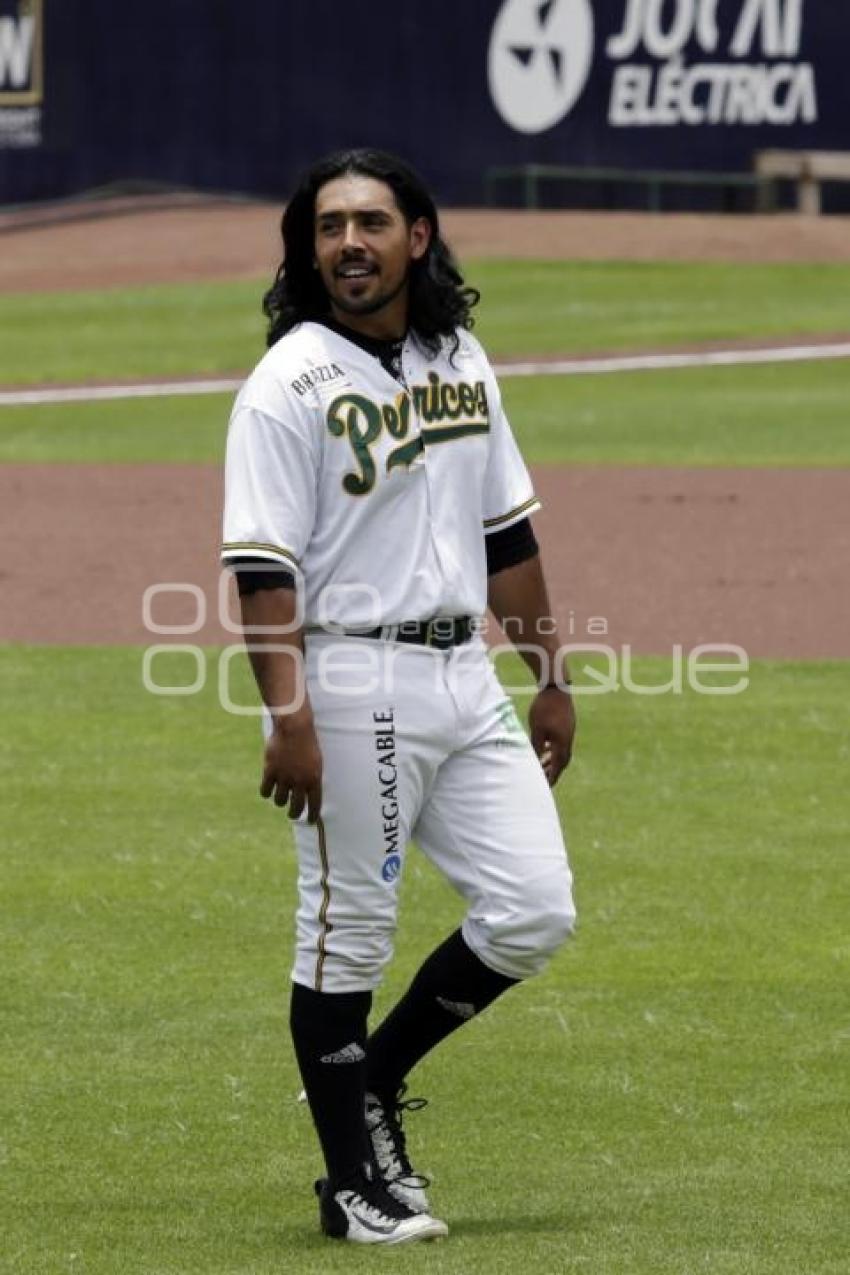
x=392 y=867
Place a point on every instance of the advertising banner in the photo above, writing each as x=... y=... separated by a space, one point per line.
x=675 y=64
x=231 y=96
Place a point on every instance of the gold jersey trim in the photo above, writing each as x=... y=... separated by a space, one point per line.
x=326 y=901
x=525 y=507
x=257 y=546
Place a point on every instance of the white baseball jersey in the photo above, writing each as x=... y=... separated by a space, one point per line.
x=379 y=491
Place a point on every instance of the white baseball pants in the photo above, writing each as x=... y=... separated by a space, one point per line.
x=424 y=745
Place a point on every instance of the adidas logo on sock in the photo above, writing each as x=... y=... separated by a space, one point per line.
x=460 y=1009
x=350 y=1054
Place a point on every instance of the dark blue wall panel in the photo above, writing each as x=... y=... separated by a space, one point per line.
x=241 y=94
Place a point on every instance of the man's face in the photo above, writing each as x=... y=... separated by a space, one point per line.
x=364 y=247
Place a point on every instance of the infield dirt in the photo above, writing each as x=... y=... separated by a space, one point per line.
x=663 y=556
x=82 y=247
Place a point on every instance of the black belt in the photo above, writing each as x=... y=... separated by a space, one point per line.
x=440 y=634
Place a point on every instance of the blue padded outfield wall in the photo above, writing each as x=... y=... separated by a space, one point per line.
x=238 y=95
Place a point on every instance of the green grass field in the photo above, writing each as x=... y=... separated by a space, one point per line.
x=668 y=1099
x=772 y=415
x=527 y=308
x=779 y=414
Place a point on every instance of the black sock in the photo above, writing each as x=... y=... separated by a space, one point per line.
x=329 y=1034
x=450 y=988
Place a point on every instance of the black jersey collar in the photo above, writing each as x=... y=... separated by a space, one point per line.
x=388 y=353
x=374 y=345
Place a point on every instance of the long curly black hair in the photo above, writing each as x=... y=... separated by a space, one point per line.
x=439 y=300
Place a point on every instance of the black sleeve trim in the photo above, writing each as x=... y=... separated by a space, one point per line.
x=510 y=546
x=253 y=574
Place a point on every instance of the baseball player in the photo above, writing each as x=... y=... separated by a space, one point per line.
x=375 y=505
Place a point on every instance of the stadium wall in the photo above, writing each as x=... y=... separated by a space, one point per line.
x=238 y=95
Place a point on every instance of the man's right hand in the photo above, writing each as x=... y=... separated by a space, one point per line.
x=292 y=772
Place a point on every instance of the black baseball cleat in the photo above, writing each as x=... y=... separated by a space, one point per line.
x=383 y=1122
x=364 y=1212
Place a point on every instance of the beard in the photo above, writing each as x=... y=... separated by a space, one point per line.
x=354 y=306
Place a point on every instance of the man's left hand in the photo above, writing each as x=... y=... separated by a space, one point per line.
x=552 y=724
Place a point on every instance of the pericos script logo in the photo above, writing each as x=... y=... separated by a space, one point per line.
x=540 y=56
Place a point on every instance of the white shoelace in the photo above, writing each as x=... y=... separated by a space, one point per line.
x=368 y=1212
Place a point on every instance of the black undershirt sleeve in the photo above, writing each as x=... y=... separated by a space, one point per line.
x=253 y=574
x=510 y=546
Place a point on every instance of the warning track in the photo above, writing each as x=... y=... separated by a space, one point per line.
x=557 y=367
